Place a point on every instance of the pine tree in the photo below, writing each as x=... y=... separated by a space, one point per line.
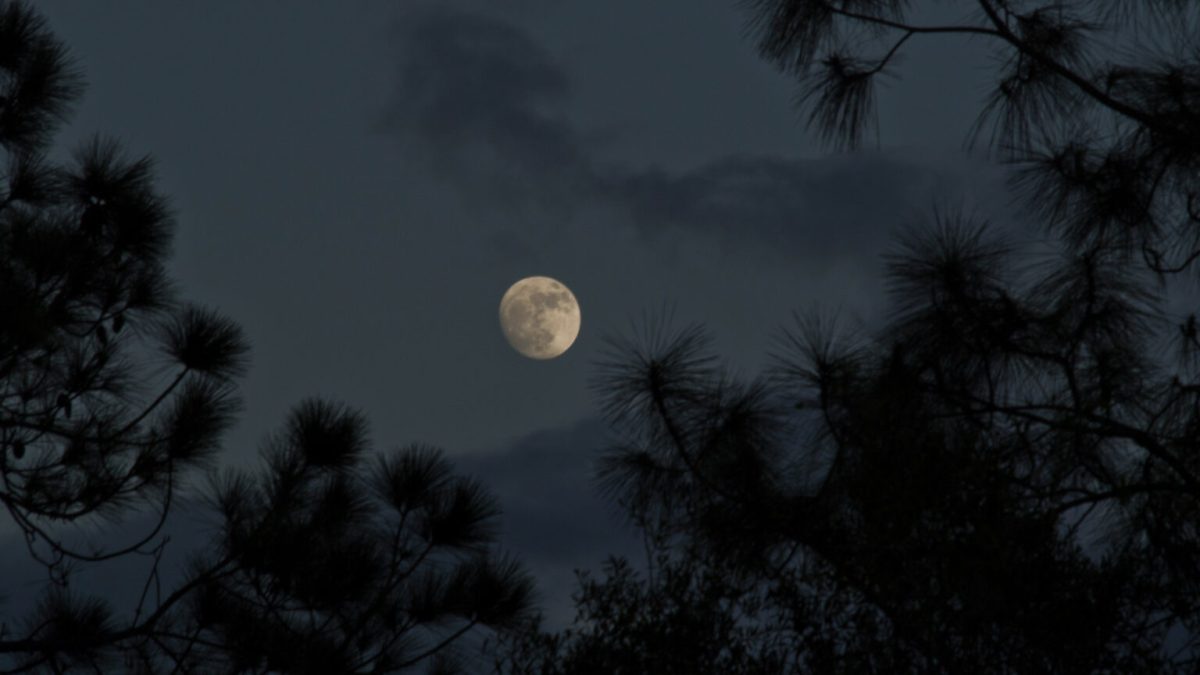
x=1005 y=478
x=330 y=558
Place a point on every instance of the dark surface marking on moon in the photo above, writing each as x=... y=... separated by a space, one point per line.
x=522 y=321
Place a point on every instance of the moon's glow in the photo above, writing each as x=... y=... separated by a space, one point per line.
x=539 y=317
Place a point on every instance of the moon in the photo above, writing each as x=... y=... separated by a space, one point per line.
x=540 y=317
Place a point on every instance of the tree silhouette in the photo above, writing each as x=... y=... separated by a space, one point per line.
x=684 y=617
x=1004 y=478
x=329 y=559
x=89 y=323
x=330 y=562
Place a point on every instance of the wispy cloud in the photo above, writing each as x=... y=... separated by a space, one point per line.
x=482 y=103
x=554 y=518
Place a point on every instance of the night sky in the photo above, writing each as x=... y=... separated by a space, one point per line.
x=356 y=184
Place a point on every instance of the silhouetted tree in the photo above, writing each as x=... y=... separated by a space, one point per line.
x=110 y=389
x=1005 y=477
x=683 y=617
x=334 y=562
x=330 y=559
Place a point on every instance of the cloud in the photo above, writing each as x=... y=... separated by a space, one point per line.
x=480 y=102
x=825 y=206
x=479 y=99
x=544 y=483
x=554 y=519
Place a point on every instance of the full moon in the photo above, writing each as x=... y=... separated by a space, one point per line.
x=539 y=317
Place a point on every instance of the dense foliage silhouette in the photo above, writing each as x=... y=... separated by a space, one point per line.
x=113 y=393
x=1004 y=477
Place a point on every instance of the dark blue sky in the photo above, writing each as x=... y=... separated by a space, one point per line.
x=357 y=185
